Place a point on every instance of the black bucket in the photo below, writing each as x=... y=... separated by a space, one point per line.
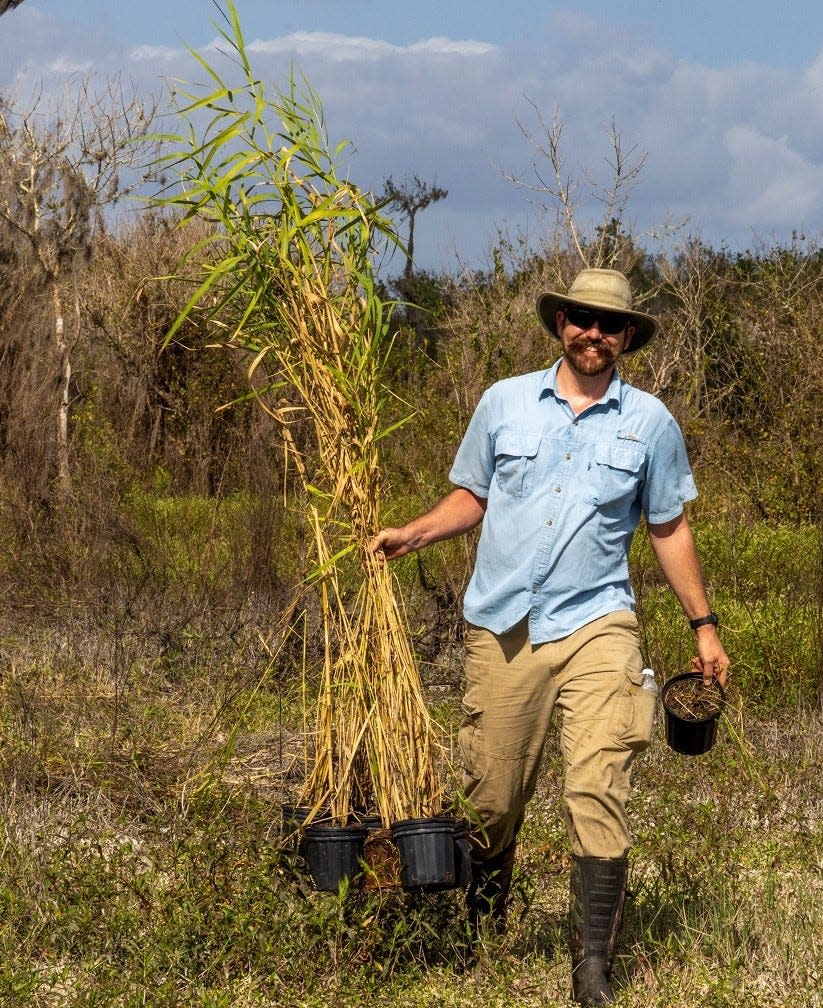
x=691 y=730
x=427 y=852
x=293 y=818
x=332 y=854
x=462 y=853
x=370 y=820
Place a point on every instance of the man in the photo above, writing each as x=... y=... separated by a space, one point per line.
x=558 y=465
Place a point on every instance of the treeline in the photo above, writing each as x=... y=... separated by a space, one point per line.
x=737 y=360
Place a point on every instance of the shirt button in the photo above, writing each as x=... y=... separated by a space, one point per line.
x=550 y=523
x=568 y=456
x=534 y=590
x=558 y=489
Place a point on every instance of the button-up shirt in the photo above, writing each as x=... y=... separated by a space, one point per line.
x=564 y=495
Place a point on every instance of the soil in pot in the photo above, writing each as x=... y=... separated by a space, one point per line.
x=382 y=860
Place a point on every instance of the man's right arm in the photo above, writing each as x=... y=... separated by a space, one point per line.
x=457 y=513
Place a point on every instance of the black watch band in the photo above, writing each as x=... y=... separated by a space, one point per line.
x=704 y=621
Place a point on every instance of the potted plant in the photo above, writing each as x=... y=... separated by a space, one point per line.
x=691 y=710
x=289 y=281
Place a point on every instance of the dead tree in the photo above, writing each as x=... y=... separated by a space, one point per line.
x=58 y=167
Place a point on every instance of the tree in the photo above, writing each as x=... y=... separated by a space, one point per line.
x=695 y=283
x=409 y=199
x=59 y=167
x=612 y=244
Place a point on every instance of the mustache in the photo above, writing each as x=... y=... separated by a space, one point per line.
x=586 y=343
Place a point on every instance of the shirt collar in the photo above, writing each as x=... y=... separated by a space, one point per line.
x=613 y=396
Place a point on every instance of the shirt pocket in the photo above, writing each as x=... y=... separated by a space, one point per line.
x=618 y=474
x=515 y=461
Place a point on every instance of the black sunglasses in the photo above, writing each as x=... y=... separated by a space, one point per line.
x=609 y=323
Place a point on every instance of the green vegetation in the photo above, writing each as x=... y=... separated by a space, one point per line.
x=288 y=283
x=145 y=749
x=152 y=697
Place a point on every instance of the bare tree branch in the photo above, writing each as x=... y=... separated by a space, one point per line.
x=59 y=165
x=610 y=243
x=8 y=5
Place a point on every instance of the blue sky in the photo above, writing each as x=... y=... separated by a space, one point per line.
x=724 y=99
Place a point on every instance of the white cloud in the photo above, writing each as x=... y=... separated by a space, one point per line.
x=326 y=45
x=447 y=47
x=813 y=77
x=772 y=184
x=338 y=48
x=62 y=66
x=153 y=54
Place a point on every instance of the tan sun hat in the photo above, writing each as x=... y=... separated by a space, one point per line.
x=598 y=288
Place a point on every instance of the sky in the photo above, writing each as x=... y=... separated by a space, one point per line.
x=722 y=101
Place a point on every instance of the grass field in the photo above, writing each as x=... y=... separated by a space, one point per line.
x=140 y=860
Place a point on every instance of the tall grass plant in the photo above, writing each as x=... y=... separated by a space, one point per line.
x=288 y=281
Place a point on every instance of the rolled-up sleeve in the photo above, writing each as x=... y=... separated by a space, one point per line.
x=669 y=482
x=473 y=465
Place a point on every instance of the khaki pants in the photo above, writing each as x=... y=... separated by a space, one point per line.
x=593 y=677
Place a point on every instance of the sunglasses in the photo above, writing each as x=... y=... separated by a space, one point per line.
x=609 y=323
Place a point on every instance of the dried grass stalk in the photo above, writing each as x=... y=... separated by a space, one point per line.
x=289 y=280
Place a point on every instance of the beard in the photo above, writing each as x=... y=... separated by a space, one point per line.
x=589 y=358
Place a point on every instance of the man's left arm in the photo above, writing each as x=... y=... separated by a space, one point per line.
x=675 y=549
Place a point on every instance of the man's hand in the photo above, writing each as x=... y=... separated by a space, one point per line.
x=458 y=512
x=711 y=661
x=391 y=543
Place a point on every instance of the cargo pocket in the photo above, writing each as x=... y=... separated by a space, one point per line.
x=470 y=733
x=470 y=740
x=637 y=710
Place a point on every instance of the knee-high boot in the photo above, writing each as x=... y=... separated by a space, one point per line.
x=597 y=890
x=488 y=894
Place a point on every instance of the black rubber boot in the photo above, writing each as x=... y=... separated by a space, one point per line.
x=488 y=894
x=597 y=890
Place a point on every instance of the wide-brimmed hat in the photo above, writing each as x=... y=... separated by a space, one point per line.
x=598 y=288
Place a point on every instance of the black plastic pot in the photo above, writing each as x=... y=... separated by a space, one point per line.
x=462 y=853
x=371 y=821
x=687 y=734
x=427 y=852
x=293 y=817
x=332 y=854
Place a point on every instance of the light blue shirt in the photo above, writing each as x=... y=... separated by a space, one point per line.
x=565 y=494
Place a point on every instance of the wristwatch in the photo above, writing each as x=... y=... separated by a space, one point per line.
x=704 y=621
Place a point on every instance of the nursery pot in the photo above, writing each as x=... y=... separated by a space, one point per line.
x=332 y=854
x=462 y=853
x=691 y=730
x=427 y=852
x=293 y=817
x=371 y=821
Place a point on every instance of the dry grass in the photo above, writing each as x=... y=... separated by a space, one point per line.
x=140 y=858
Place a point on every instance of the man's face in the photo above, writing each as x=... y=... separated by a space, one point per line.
x=587 y=348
